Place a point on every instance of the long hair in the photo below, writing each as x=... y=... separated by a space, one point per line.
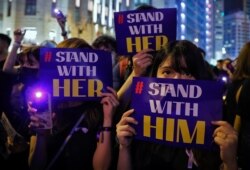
x=33 y=50
x=74 y=43
x=242 y=70
x=179 y=50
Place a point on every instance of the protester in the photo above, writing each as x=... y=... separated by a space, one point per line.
x=108 y=43
x=237 y=102
x=138 y=65
x=5 y=90
x=26 y=77
x=87 y=146
x=5 y=78
x=15 y=117
x=180 y=60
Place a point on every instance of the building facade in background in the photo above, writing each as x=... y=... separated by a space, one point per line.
x=236 y=26
x=32 y=15
x=236 y=33
x=85 y=18
x=218 y=30
x=210 y=24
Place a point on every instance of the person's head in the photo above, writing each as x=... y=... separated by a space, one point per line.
x=29 y=57
x=48 y=44
x=242 y=69
x=145 y=7
x=180 y=60
x=5 y=41
x=29 y=61
x=77 y=43
x=74 y=43
x=107 y=43
x=219 y=64
x=227 y=65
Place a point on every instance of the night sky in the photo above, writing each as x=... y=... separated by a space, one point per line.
x=231 y=6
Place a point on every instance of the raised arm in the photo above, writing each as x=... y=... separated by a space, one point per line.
x=141 y=61
x=102 y=156
x=125 y=132
x=9 y=65
x=61 y=20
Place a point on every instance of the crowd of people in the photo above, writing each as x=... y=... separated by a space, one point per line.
x=100 y=135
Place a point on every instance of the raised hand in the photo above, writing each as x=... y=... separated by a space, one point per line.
x=124 y=130
x=141 y=61
x=110 y=102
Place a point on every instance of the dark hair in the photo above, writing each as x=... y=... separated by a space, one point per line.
x=5 y=38
x=145 y=7
x=202 y=52
x=220 y=61
x=183 y=49
x=105 y=40
x=242 y=69
x=74 y=43
x=30 y=51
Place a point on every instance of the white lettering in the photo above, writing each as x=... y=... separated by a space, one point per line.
x=145 y=17
x=145 y=29
x=76 y=70
x=173 y=108
x=180 y=90
x=85 y=57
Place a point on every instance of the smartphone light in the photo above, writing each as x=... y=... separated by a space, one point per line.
x=224 y=78
x=56 y=10
x=38 y=94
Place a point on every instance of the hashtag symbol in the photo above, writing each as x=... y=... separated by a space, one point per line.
x=138 y=87
x=48 y=56
x=120 y=19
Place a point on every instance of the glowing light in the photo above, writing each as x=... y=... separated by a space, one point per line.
x=110 y=16
x=223 y=50
x=224 y=78
x=39 y=94
x=224 y=97
x=56 y=10
x=127 y=3
x=90 y=5
x=183 y=16
x=77 y=3
x=196 y=40
x=183 y=26
x=103 y=12
x=183 y=5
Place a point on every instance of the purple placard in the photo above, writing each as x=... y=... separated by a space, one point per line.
x=75 y=74
x=180 y=110
x=142 y=29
